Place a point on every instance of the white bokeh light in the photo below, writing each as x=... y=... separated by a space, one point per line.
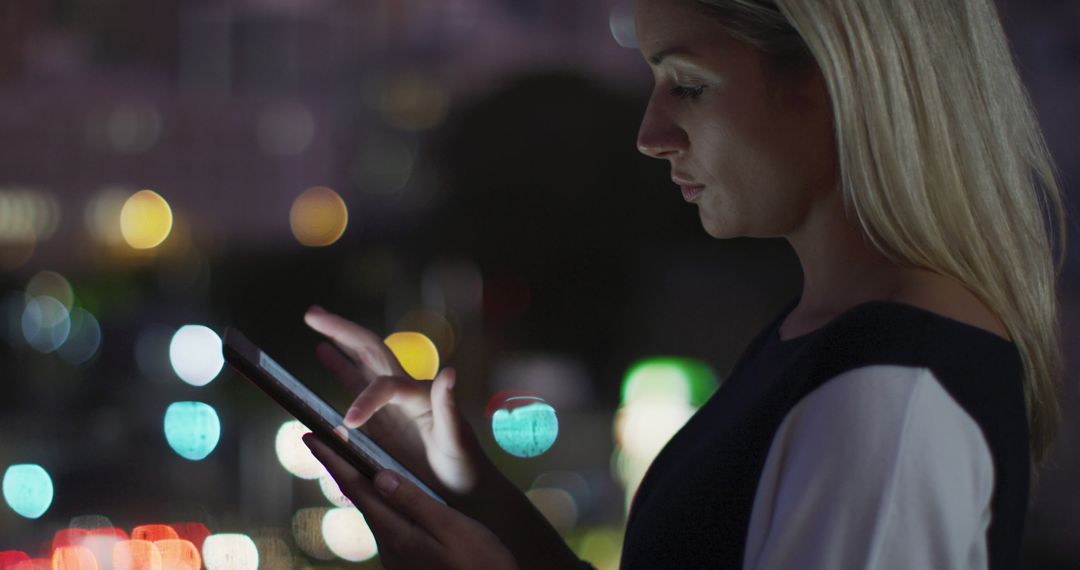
x=332 y=491
x=195 y=354
x=230 y=552
x=348 y=535
x=293 y=455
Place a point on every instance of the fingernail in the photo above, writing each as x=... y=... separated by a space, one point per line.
x=386 y=482
x=342 y=432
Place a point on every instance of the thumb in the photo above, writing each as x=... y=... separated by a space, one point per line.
x=408 y=499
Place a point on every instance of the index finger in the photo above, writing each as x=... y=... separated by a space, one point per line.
x=362 y=344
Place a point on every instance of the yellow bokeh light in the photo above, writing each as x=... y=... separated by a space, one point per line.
x=318 y=217
x=145 y=220
x=416 y=352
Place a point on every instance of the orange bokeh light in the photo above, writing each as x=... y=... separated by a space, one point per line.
x=193 y=532
x=73 y=558
x=177 y=554
x=154 y=532
x=136 y=555
x=68 y=537
x=33 y=564
x=108 y=531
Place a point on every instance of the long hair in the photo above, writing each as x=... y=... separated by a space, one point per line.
x=941 y=157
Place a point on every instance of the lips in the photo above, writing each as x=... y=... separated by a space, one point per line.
x=690 y=189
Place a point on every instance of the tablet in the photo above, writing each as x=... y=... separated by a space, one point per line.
x=312 y=411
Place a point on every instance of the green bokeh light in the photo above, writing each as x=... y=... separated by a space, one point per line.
x=669 y=378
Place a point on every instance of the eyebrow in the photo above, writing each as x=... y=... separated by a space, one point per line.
x=659 y=56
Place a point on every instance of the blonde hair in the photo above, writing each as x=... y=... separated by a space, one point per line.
x=941 y=156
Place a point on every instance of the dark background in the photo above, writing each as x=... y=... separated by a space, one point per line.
x=490 y=138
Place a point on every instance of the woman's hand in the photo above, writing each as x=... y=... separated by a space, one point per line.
x=415 y=421
x=412 y=529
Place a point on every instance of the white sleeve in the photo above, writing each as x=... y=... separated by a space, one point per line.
x=878 y=468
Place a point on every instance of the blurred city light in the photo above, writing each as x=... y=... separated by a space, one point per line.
x=557 y=506
x=384 y=165
x=145 y=220
x=103 y=544
x=416 y=353
x=293 y=455
x=195 y=354
x=34 y=564
x=318 y=217
x=192 y=429
x=433 y=326
x=602 y=547
x=274 y=553
x=525 y=426
x=136 y=555
x=45 y=323
x=307 y=532
x=73 y=558
x=27 y=216
x=193 y=532
x=332 y=491
x=102 y=215
x=68 y=537
x=683 y=380
x=154 y=532
x=642 y=428
x=84 y=340
x=127 y=128
x=347 y=534
x=621 y=23
x=177 y=554
x=51 y=284
x=9 y=558
x=285 y=129
x=28 y=490
x=412 y=101
x=230 y=552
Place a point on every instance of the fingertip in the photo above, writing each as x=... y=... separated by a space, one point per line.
x=386 y=481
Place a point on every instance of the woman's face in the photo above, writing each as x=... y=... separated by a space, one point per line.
x=756 y=157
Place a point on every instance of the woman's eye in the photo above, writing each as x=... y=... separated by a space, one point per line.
x=687 y=92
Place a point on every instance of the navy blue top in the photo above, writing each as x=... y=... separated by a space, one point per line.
x=693 y=507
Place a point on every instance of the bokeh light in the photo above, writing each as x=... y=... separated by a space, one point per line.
x=274 y=552
x=34 y=564
x=154 y=532
x=293 y=455
x=621 y=23
x=102 y=215
x=193 y=532
x=412 y=101
x=307 y=532
x=432 y=325
x=28 y=490
x=136 y=555
x=9 y=558
x=195 y=354
x=557 y=506
x=192 y=429
x=51 y=284
x=318 y=217
x=73 y=558
x=128 y=128
x=145 y=220
x=102 y=543
x=332 y=491
x=347 y=534
x=384 y=165
x=46 y=323
x=285 y=129
x=683 y=380
x=416 y=353
x=83 y=340
x=178 y=554
x=642 y=428
x=525 y=426
x=230 y=552
x=27 y=216
x=68 y=537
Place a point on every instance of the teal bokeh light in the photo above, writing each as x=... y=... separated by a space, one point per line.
x=28 y=490
x=192 y=429
x=525 y=426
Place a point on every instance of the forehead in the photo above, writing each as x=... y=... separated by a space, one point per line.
x=679 y=24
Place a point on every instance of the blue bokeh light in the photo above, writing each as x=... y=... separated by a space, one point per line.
x=525 y=426
x=192 y=429
x=28 y=490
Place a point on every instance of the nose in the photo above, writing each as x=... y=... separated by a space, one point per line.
x=659 y=136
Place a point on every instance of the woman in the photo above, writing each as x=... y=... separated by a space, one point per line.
x=891 y=414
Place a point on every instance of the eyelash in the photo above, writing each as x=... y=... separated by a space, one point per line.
x=684 y=92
